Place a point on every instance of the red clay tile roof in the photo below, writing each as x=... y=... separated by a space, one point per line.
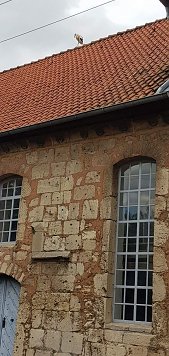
x=116 y=69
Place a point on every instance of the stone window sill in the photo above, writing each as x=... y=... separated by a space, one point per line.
x=139 y=328
x=44 y=255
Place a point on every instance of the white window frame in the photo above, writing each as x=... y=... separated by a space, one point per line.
x=9 y=206
x=119 y=307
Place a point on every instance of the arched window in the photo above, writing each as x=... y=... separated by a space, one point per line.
x=134 y=244
x=10 y=192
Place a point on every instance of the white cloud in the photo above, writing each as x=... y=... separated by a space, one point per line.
x=19 y=16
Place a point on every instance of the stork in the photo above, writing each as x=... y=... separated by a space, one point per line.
x=79 y=38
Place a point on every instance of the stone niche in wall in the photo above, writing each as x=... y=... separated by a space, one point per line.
x=46 y=246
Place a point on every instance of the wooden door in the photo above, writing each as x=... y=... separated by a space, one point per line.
x=9 y=301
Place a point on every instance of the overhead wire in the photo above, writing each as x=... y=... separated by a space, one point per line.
x=4 y=2
x=54 y=22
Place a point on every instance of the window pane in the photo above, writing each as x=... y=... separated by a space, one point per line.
x=124 y=183
x=133 y=198
x=1 y=214
x=14 y=225
x=121 y=261
x=145 y=181
x=5 y=236
x=19 y=182
x=4 y=192
x=129 y=310
x=123 y=199
x=143 y=244
x=144 y=212
x=145 y=168
x=129 y=295
x=134 y=169
x=144 y=197
x=7 y=214
x=122 y=230
x=134 y=181
x=16 y=203
x=133 y=213
x=6 y=226
x=18 y=191
x=142 y=278
x=118 y=314
x=8 y=204
x=149 y=297
x=123 y=214
x=140 y=313
x=142 y=262
x=130 y=278
x=131 y=245
x=119 y=295
x=132 y=229
x=121 y=245
x=125 y=170
x=2 y=204
x=13 y=236
x=119 y=277
x=149 y=314
x=131 y=262
x=143 y=229
x=141 y=296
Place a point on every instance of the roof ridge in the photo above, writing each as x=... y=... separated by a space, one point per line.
x=120 y=33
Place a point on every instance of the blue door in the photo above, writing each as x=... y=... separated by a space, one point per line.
x=9 y=301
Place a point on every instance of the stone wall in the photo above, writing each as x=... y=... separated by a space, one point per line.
x=64 y=253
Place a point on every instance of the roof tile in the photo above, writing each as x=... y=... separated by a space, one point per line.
x=116 y=69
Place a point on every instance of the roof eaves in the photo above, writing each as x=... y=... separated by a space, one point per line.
x=133 y=104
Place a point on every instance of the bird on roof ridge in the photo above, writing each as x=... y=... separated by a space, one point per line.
x=79 y=38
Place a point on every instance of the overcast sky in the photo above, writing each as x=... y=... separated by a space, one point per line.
x=22 y=15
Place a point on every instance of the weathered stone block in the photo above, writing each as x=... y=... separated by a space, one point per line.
x=84 y=192
x=73 y=242
x=36 y=338
x=67 y=183
x=58 y=169
x=71 y=227
x=46 y=199
x=159 y=294
x=63 y=283
x=73 y=211
x=52 y=340
x=89 y=235
x=57 y=198
x=73 y=167
x=62 y=212
x=72 y=343
x=54 y=243
x=92 y=177
x=55 y=228
x=90 y=209
x=40 y=171
x=36 y=214
x=48 y=185
x=106 y=208
x=50 y=213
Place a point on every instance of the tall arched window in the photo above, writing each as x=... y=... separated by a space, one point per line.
x=10 y=192
x=134 y=244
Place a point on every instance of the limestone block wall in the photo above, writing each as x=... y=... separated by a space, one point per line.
x=64 y=253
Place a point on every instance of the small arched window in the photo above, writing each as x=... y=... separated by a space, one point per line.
x=10 y=193
x=134 y=243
